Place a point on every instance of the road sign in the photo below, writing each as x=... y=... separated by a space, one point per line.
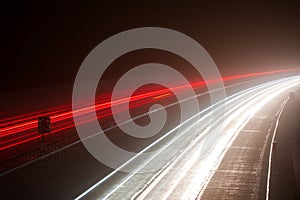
x=44 y=125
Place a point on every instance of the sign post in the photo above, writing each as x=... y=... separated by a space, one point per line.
x=43 y=127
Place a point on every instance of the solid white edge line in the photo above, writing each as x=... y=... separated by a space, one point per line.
x=220 y=159
x=271 y=148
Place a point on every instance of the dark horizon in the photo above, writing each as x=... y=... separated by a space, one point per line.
x=45 y=43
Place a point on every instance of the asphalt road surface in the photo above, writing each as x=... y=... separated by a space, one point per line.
x=182 y=172
x=285 y=168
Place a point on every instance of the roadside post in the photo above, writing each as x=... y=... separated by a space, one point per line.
x=43 y=127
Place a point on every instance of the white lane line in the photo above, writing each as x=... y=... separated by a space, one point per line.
x=271 y=148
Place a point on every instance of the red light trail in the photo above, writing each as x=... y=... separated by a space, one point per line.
x=22 y=129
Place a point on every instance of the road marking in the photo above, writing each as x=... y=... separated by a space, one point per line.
x=271 y=148
x=263 y=101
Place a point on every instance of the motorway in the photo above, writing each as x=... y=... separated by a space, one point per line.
x=177 y=169
x=185 y=171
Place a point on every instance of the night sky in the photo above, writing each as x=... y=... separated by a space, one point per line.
x=43 y=44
